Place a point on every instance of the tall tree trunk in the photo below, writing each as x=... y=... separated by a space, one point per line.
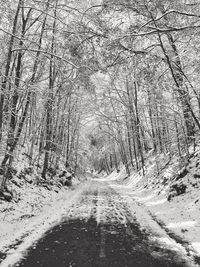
x=68 y=131
x=8 y=64
x=129 y=140
x=49 y=105
x=140 y=149
x=150 y=104
x=132 y=116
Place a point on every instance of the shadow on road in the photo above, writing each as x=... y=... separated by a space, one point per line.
x=84 y=244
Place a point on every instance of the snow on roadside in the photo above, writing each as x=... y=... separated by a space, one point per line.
x=180 y=217
x=147 y=223
x=15 y=227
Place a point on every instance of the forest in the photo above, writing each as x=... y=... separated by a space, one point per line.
x=100 y=133
x=97 y=85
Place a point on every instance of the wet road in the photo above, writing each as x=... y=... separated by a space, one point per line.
x=99 y=230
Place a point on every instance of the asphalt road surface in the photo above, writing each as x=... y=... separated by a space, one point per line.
x=99 y=230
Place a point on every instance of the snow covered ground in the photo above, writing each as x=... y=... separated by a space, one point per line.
x=27 y=220
x=179 y=217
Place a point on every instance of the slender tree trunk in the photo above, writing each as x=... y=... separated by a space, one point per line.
x=129 y=141
x=138 y=129
x=8 y=64
x=68 y=131
x=49 y=106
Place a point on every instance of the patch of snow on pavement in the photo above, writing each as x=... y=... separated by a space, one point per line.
x=196 y=245
x=157 y=202
x=182 y=224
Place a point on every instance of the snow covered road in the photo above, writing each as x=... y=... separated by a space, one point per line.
x=102 y=227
